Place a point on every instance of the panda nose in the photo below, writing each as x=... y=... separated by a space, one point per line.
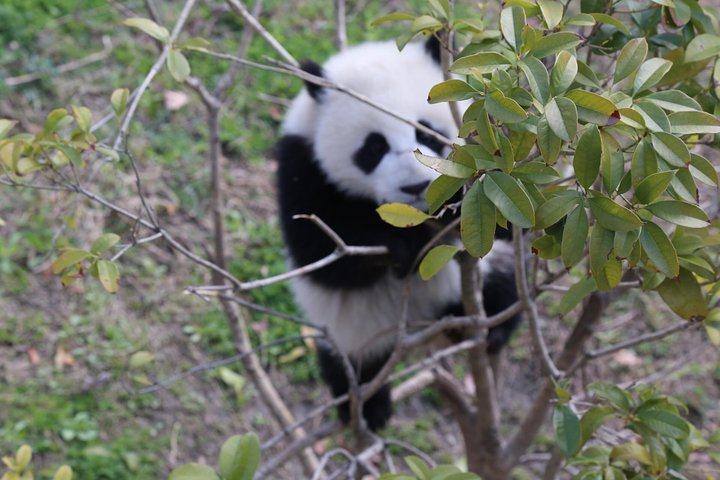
x=416 y=188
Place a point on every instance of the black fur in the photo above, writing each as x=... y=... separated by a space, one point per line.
x=304 y=188
x=372 y=151
x=432 y=46
x=313 y=68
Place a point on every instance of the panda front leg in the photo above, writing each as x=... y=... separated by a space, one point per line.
x=377 y=409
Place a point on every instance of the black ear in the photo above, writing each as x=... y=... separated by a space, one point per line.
x=312 y=68
x=432 y=46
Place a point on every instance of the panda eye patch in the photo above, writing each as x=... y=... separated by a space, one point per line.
x=429 y=141
x=372 y=151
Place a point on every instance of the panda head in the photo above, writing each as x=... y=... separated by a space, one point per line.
x=364 y=152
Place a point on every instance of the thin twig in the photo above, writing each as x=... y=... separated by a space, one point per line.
x=157 y=66
x=340 y=26
x=238 y=7
x=529 y=303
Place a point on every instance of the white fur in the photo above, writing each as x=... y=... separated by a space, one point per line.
x=338 y=124
x=364 y=321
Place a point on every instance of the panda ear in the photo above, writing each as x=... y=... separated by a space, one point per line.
x=313 y=68
x=432 y=46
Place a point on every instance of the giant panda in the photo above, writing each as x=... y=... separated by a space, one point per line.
x=339 y=159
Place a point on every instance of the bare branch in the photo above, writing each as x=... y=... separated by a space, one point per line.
x=163 y=384
x=340 y=26
x=238 y=7
x=521 y=280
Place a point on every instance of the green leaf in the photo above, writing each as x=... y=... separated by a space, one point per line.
x=702 y=47
x=446 y=167
x=631 y=451
x=671 y=149
x=503 y=108
x=512 y=21
x=477 y=221
x=401 y=215
x=552 y=12
x=618 y=397
x=592 y=419
x=451 y=91
x=178 y=65
x=562 y=117
x=193 y=471
x=650 y=73
x=441 y=190
x=689 y=123
x=240 y=457
x=575 y=295
x=684 y=296
x=659 y=249
x=536 y=172
x=574 y=236
x=554 y=43
x=587 y=157
x=479 y=63
x=665 y=423
x=653 y=186
x=425 y=23
x=554 y=209
x=537 y=77
x=69 y=257
x=612 y=216
x=644 y=162
x=630 y=58
x=567 y=430
x=418 y=467
x=108 y=274
x=564 y=72
x=604 y=18
x=436 y=259
x=392 y=17
x=654 y=117
x=674 y=101
x=593 y=108
x=546 y=247
x=548 y=143
x=104 y=242
x=119 y=100
x=83 y=117
x=680 y=213
x=512 y=201
x=148 y=26
x=703 y=170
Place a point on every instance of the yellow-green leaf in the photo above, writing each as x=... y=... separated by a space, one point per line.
x=119 y=100
x=702 y=47
x=63 y=473
x=401 y=215
x=451 y=91
x=684 y=295
x=436 y=259
x=503 y=108
x=564 y=72
x=688 y=123
x=83 y=117
x=671 y=149
x=512 y=21
x=193 y=471
x=240 y=457
x=574 y=236
x=178 y=65
x=69 y=257
x=108 y=274
x=479 y=63
x=552 y=12
x=148 y=26
x=653 y=186
x=6 y=126
x=104 y=242
x=554 y=43
x=446 y=167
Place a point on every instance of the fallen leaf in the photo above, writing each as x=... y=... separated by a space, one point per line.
x=63 y=358
x=175 y=100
